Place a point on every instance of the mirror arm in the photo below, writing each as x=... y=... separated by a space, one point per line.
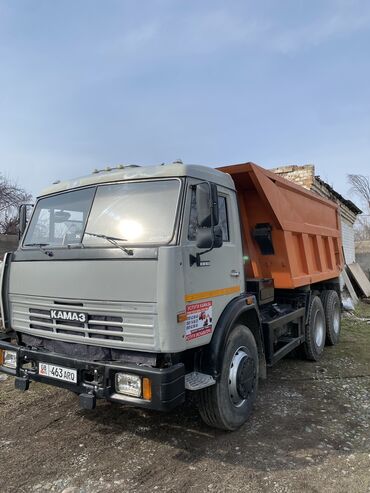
x=195 y=259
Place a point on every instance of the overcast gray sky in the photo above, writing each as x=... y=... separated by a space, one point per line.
x=86 y=83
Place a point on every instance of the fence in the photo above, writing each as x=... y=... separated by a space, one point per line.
x=8 y=243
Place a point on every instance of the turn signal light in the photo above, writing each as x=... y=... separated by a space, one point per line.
x=1 y=357
x=147 y=389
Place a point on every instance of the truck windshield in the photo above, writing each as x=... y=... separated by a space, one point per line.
x=139 y=213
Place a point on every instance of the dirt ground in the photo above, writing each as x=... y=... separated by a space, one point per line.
x=310 y=433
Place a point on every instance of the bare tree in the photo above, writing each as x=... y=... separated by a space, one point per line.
x=360 y=186
x=362 y=228
x=11 y=197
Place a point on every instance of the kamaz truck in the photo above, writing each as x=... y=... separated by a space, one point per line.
x=141 y=285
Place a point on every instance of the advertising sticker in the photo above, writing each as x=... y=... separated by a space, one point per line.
x=198 y=320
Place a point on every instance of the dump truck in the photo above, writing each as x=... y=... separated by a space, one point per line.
x=144 y=285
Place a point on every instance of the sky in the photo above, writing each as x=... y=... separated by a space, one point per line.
x=86 y=84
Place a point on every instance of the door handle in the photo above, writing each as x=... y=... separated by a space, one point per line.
x=234 y=273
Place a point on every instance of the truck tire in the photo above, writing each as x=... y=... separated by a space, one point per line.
x=331 y=304
x=229 y=402
x=315 y=331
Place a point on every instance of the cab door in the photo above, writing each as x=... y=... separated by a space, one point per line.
x=220 y=277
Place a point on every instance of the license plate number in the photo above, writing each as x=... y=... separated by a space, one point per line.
x=58 y=372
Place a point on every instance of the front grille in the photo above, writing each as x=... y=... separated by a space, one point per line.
x=97 y=326
x=109 y=324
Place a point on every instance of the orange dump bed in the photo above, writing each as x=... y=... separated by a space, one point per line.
x=290 y=234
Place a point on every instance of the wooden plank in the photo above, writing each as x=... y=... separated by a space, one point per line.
x=349 y=286
x=360 y=278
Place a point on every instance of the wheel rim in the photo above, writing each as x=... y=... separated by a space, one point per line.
x=241 y=376
x=336 y=319
x=319 y=329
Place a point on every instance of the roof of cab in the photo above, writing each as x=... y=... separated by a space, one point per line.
x=130 y=172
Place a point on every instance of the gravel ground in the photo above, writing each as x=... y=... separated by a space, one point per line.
x=310 y=433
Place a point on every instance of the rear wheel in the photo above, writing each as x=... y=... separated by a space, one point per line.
x=229 y=403
x=315 y=332
x=331 y=304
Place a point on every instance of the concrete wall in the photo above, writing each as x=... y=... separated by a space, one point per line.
x=364 y=260
x=363 y=255
x=8 y=243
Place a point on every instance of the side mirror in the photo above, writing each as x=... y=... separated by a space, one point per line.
x=217 y=237
x=209 y=233
x=22 y=214
x=204 y=238
x=209 y=237
x=207 y=205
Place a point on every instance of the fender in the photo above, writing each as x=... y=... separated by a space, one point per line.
x=211 y=361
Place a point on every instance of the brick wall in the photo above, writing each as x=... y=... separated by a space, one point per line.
x=302 y=175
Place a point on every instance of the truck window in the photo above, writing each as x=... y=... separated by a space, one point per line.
x=140 y=213
x=60 y=219
x=223 y=217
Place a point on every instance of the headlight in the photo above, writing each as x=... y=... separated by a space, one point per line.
x=10 y=359
x=128 y=384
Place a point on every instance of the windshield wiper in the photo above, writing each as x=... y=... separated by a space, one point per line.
x=41 y=247
x=113 y=240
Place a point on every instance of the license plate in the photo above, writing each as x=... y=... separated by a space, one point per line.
x=58 y=372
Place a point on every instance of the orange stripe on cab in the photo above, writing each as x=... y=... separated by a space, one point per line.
x=212 y=294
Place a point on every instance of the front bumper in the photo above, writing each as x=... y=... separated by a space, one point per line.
x=95 y=380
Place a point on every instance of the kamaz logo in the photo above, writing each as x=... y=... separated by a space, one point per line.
x=70 y=316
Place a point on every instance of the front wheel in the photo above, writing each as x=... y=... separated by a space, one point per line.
x=229 y=403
